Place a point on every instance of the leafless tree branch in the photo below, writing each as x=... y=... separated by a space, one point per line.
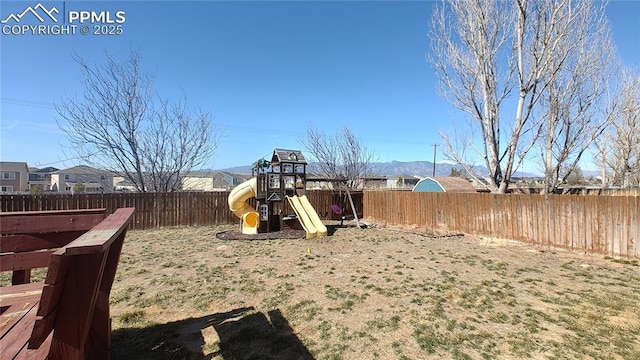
x=119 y=125
x=495 y=60
x=343 y=157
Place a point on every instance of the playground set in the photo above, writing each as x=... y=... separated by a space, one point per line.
x=273 y=182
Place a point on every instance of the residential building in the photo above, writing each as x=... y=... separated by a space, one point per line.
x=14 y=177
x=92 y=180
x=319 y=182
x=122 y=184
x=405 y=182
x=211 y=181
x=41 y=177
x=374 y=182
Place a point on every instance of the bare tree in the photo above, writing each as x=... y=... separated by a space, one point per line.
x=486 y=51
x=468 y=47
x=342 y=157
x=119 y=124
x=619 y=149
x=572 y=106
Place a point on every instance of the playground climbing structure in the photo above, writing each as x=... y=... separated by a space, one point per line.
x=273 y=182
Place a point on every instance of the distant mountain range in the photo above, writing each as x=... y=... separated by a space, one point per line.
x=417 y=168
x=392 y=168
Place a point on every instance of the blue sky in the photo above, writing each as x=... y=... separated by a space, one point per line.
x=264 y=69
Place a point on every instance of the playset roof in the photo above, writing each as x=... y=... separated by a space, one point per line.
x=287 y=156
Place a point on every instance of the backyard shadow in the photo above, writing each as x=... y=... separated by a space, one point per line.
x=331 y=229
x=243 y=334
x=257 y=336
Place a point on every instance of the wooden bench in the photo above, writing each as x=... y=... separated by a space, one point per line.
x=29 y=237
x=67 y=315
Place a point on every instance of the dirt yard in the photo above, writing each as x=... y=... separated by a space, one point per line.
x=375 y=293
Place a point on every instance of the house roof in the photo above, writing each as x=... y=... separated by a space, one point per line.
x=288 y=156
x=444 y=184
x=202 y=174
x=405 y=177
x=45 y=170
x=124 y=182
x=82 y=170
x=13 y=166
x=214 y=174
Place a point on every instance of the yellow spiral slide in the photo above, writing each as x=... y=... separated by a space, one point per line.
x=238 y=205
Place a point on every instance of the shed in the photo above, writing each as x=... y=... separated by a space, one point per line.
x=444 y=184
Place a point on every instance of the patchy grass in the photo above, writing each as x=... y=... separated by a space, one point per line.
x=377 y=293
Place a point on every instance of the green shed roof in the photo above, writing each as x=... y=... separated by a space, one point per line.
x=444 y=184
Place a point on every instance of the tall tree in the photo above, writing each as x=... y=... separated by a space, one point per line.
x=494 y=60
x=619 y=149
x=343 y=157
x=468 y=47
x=573 y=103
x=120 y=124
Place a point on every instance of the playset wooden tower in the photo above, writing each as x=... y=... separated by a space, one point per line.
x=284 y=176
x=273 y=182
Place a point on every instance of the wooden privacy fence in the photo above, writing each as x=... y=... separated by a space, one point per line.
x=152 y=209
x=599 y=224
x=580 y=191
x=155 y=210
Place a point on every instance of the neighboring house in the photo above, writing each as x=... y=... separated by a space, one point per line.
x=319 y=182
x=212 y=181
x=122 y=184
x=402 y=182
x=93 y=180
x=41 y=177
x=14 y=177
